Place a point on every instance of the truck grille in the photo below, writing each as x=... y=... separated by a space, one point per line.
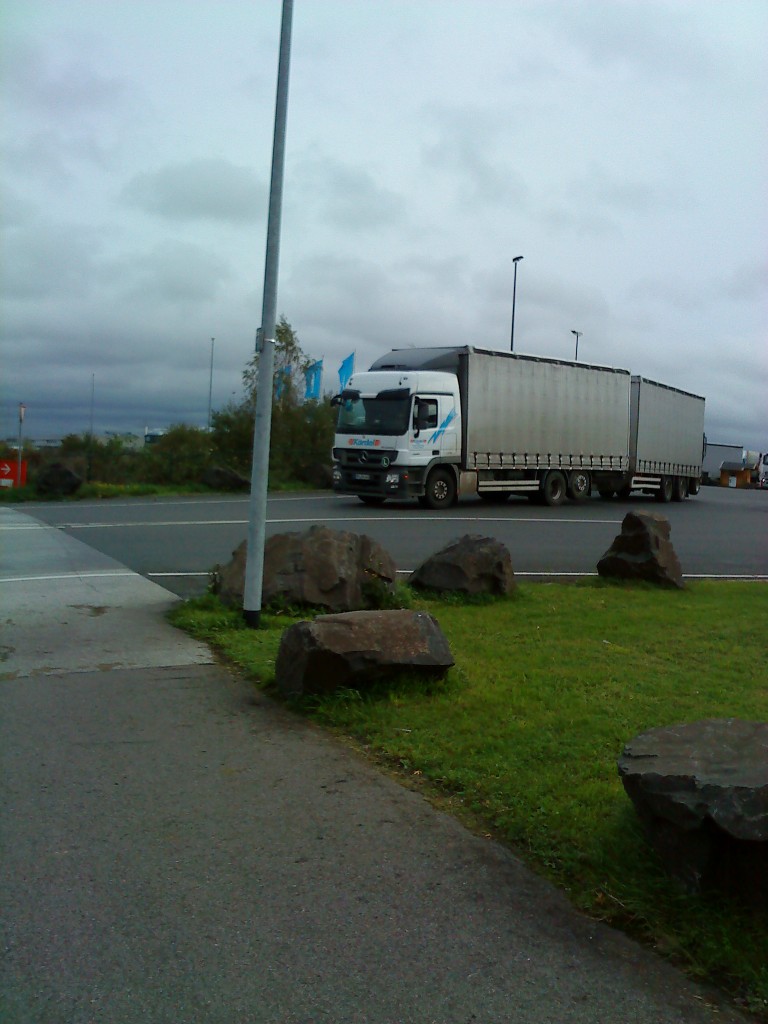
x=364 y=458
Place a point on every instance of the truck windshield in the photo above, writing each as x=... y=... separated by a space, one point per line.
x=388 y=413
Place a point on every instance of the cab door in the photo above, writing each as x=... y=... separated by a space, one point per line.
x=435 y=425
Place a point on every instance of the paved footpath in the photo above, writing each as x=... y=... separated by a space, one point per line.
x=177 y=849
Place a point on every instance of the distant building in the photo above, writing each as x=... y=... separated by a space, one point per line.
x=716 y=455
x=735 y=474
x=129 y=440
x=40 y=442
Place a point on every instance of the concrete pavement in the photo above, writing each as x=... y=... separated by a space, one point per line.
x=178 y=849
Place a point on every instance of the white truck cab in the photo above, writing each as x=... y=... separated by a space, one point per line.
x=393 y=428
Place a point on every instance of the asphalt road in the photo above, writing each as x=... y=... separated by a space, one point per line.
x=177 y=541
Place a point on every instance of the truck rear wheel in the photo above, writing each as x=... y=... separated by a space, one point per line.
x=680 y=488
x=694 y=485
x=441 y=489
x=579 y=485
x=553 y=488
x=664 y=493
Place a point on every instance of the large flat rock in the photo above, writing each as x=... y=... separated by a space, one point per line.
x=701 y=789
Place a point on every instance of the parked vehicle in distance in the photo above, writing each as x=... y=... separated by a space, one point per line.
x=439 y=423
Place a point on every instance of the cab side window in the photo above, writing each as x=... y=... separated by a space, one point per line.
x=425 y=414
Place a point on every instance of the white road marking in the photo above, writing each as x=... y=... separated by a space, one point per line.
x=168 y=523
x=400 y=572
x=67 y=576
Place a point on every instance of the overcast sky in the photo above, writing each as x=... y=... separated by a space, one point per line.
x=619 y=147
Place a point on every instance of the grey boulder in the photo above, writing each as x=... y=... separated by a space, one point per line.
x=701 y=791
x=222 y=478
x=472 y=565
x=319 y=568
x=643 y=551
x=355 y=649
x=57 y=481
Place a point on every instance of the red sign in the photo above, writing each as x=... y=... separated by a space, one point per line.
x=9 y=473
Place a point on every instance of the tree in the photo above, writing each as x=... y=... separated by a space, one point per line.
x=179 y=456
x=107 y=460
x=232 y=435
x=302 y=437
x=290 y=366
x=302 y=432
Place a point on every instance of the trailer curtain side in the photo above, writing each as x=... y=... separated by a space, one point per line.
x=667 y=429
x=526 y=412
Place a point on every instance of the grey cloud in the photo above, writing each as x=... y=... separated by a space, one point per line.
x=61 y=87
x=576 y=221
x=199 y=190
x=173 y=272
x=748 y=283
x=150 y=360
x=676 y=293
x=624 y=195
x=330 y=291
x=346 y=196
x=650 y=38
x=49 y=260
x=464 y=144
x=56 y=157
x=17 y=210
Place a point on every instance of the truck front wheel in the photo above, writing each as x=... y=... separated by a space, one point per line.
x=553 y=488
x=441 y=489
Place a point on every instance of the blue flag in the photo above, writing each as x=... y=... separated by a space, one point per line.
x=346 y=370
x=282 y=381
x=313 y=377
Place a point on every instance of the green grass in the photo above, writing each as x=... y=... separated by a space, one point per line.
x=521 y=739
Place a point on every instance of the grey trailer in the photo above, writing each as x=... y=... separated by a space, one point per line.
x=666 y=440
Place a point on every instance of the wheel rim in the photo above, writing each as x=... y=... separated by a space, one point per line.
x=440 y=492
x=579 y=485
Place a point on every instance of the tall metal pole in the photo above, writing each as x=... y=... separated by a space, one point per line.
x=257 y=511
x=22 y=410
x=516 y=260
x=210 y=387
x=578 y=335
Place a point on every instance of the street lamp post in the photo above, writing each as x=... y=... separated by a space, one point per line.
x=516 y=260
x=578 y=335
x=210 y=387
x=19 y=456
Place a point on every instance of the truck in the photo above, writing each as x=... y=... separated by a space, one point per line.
x=436 y=424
